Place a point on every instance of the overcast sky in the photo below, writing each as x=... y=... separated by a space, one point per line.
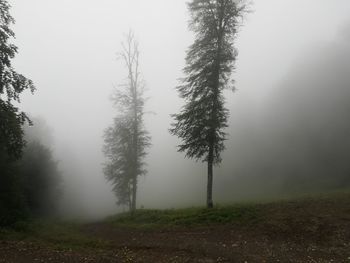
x=68 y=48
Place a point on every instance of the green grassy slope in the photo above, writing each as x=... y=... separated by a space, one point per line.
x=292 y=210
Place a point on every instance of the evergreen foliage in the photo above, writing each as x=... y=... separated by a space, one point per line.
x=209 y=64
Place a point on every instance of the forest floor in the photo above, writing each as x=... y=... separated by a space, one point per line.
x=305 y=230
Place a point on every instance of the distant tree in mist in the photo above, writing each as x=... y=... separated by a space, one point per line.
x=302 y=144
x=41 y=180
x=40 y=177
x=31 y=186
x=210 y=62
x=126 y=141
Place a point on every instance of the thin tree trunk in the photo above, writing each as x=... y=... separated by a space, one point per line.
x=134 y=86
x=214 y=116
x=136 y=159
x=134 y=192
x=210 y=177
x=129 y=199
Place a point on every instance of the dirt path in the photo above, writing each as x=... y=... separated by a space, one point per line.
x=228 y=243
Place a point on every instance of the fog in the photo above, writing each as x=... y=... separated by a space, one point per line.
x=288 y=128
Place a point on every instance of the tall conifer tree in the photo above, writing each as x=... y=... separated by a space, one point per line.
x=209 y=64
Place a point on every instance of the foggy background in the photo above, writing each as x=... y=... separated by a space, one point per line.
x=289 y=126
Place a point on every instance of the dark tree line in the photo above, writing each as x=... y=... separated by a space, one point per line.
x=31 y=185
x=29 y=179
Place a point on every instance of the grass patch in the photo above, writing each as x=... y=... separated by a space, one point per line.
x=314 y=205
x=189 y=216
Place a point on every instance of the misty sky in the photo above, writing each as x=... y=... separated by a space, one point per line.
x=68 y=48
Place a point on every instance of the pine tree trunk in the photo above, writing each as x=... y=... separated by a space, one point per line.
x=210 y=177
x=135 y=145
x=130 y=199
x=214 y=118
x=134 y=191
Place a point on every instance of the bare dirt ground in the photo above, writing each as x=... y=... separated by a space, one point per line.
x=292 y=232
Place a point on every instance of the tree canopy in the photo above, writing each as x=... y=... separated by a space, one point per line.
x=12 y=84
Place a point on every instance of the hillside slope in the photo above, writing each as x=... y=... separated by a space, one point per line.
x=304 y=230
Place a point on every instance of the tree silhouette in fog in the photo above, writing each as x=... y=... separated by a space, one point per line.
x=126 y=141
x=209 y=64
